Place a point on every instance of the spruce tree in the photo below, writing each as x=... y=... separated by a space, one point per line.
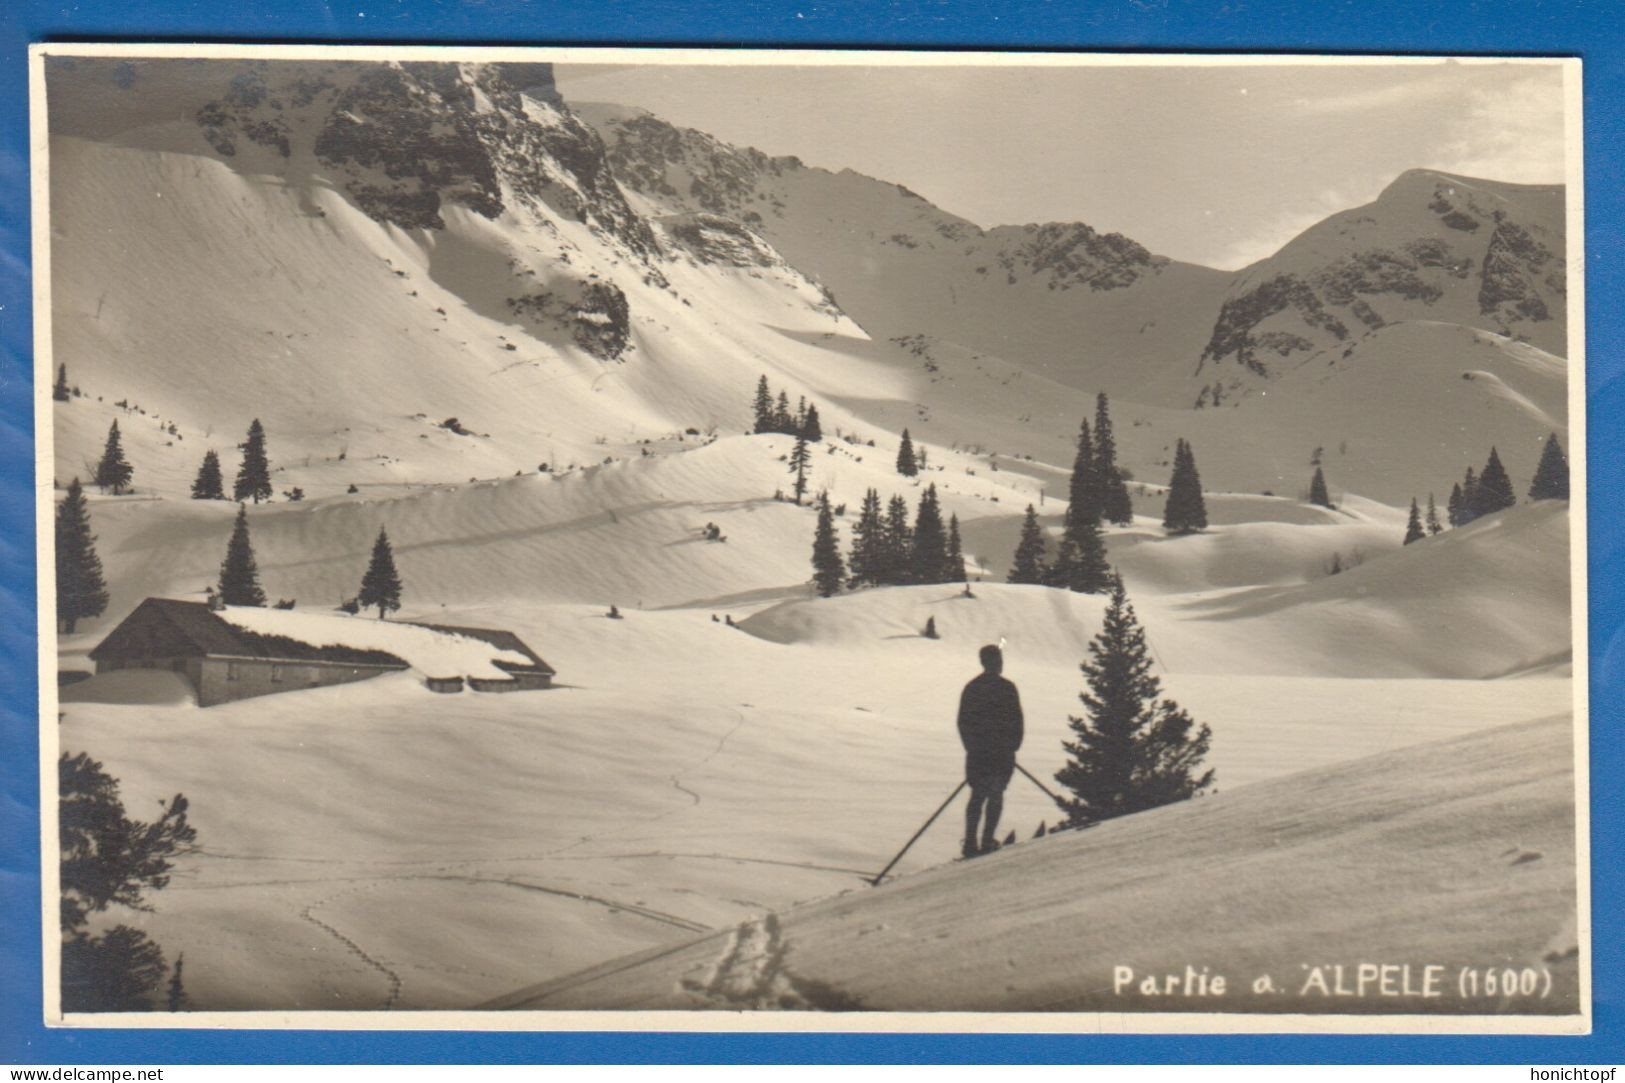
x=1494 y=490
x=113 y=472
x=1433 y=517
x=1551 y=480
x=782 y=421
x=1115 y=505
x=80 y=589
x=763 y=406
x=811 y=427
x=239 y=575
x=1453 y=506
x=1186 y=511
x=1061 y=571
x=1468 y=510
x=1132 y=751
x=906 y=465
x=209 y=485
x=1413 y=527
x=1317 y=490
x=177 y=987
x=800 y=457
x=868 y=542
x=953 y=568
x=1028 y=566
x=828 y=568
x=929 y=552
x=59 y=390
x=254 y=476
x=381 y=585
x=1091 y=573
x=897 y=543
x=799 y=422
x=1084 y=493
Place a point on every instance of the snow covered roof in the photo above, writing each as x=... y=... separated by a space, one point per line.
x=294 y=635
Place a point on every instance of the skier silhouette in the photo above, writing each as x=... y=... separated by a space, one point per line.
x=990 y=727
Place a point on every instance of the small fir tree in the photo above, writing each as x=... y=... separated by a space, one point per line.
x=113 y=472
x=828 y=568
x=1494 y=490
x=1468 y=511
x=1132 y=751
x=1317 y=490
x=1028 y=565
x=1115 y=504
x=953 y=568
x=811 y=428
x=177 y=987
x=1551 y=481
x=1413 y=526
x=906 y=465
x=1453 y=505
x=763 y=406
x=381 y=585
x=1084 y=492
x=59 y=390
x=254 y=476
x=897 y=543
x=1091 y=572
x=209 y=485
x=929 y=552
x=80 y=589
x=868 y=544
x=1186 y=511
x=800 y=458
x=239 y=575
x=782 y=420
x=1432 y=520
x=930 y=628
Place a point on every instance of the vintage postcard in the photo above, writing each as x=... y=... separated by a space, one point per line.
x=694 y=540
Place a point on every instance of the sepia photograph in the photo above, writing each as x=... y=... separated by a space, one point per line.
x=714 y=540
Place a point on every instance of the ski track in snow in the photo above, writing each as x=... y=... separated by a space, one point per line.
x=752 y=975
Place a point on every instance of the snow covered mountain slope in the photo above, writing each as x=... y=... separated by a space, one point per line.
x=1432 y=246
x=1457 y=854
x=1082 y=308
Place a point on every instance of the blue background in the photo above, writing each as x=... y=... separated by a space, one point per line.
x=1592 y=31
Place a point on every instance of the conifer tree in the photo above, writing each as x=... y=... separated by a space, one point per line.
x=1317 y=490
x=782 y=421
x=1551 y=481
x=254 y=476
x=1061 y=571
x=1453 y=506
x=1413 y=526
x=906 y=465
x=828 y=568
x=897 y=543
x=177 y=988
x=953 y=569
x=1091 y=573
x=1028 y=566
x=810 y=426
x=1494 y=490
x=1115 y=505
x=763 y=406
x=209 y=485
x=1468 y=509
x=868 y=556
x=799 y=421
x=381 y=585
x=239 y=575
x=1084 y=493
x=80 y=589
x=1186 y=511
x=1132 y=751
x=113 y=472
x=1432 y=520
x=800 y=457
x=929 y=552
x=59 y=390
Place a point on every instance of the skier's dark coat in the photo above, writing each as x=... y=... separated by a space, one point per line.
x=990 y=726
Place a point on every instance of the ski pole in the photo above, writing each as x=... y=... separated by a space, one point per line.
x=1058 y=801
x=876 y=881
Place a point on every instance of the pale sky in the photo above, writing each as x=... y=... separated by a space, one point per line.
x=1215 y=165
